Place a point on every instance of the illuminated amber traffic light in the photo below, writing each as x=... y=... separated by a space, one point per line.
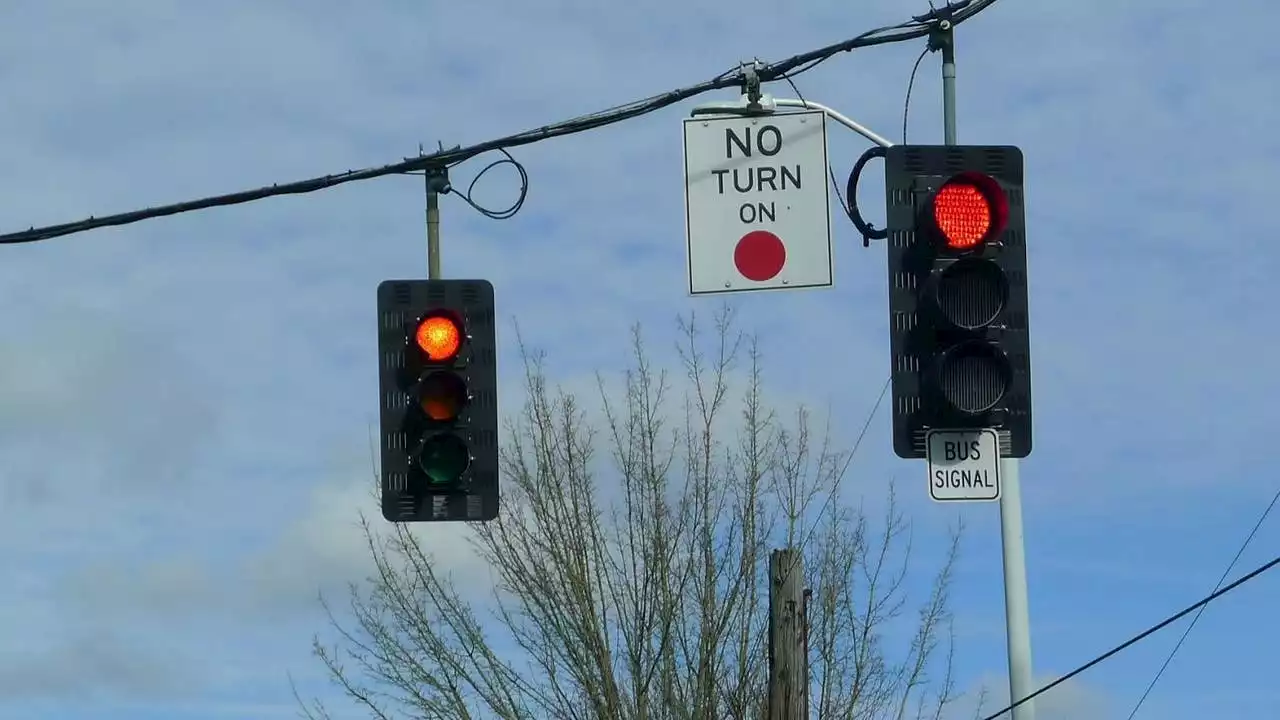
x=958 y=293
x=439 y=388
x=439 y=337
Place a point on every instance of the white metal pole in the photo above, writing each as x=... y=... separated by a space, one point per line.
x=1017 y=615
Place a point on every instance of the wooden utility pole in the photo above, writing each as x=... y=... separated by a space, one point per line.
x=788 y=641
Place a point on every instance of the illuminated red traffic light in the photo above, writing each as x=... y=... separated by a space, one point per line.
x=439 y=337
x=969 y=210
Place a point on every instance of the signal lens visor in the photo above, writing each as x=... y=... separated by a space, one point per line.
x=439 y=337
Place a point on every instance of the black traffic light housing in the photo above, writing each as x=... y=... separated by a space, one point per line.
x=438 y=400
x=958 y=294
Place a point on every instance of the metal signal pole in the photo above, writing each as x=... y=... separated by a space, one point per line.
x=437 y=181
x=1016 y=611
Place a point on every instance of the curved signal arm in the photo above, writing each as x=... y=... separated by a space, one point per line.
x=766 y=104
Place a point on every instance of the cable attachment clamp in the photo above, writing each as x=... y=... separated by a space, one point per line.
x=751 y=84
x=437 y=174
x=438 y=180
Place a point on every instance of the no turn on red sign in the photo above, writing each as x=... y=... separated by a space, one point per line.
x=757 y=209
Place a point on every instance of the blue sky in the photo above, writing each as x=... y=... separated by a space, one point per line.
x=185 y=403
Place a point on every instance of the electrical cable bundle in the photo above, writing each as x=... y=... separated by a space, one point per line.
x=919 y=26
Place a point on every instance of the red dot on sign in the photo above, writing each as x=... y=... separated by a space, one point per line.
x=760 y=255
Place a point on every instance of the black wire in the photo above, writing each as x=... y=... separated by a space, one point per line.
x=1141 y=636
x=906 y=105
x=831 y=171
x=795 y=65
x=515 y=206
x=867 y=425
x=869 y=40
x=1275 y=498
x=848 y=460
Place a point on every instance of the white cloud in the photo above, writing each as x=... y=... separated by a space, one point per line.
x=90 y=666
x=85 y=395
x=327 y=548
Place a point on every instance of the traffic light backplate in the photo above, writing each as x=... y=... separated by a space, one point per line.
x=438 y=400
x=957 y=261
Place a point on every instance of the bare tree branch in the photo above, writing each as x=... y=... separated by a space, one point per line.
x=630 y=562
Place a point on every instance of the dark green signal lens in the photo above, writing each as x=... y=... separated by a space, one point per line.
x=444 y=458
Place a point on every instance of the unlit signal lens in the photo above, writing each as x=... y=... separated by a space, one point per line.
x=443 y=459
x=442 y=396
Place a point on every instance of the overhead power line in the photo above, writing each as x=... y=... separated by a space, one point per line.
x=1191 y=626
x=1140 y=636
x=918 y=26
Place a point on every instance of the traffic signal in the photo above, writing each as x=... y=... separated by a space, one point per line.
x=438 y=390
x=958 y=294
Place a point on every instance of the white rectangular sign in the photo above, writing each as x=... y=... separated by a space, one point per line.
x=757 y=208
x=964 y=465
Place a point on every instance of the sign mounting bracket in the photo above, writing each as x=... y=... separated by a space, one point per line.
x=768 y=105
